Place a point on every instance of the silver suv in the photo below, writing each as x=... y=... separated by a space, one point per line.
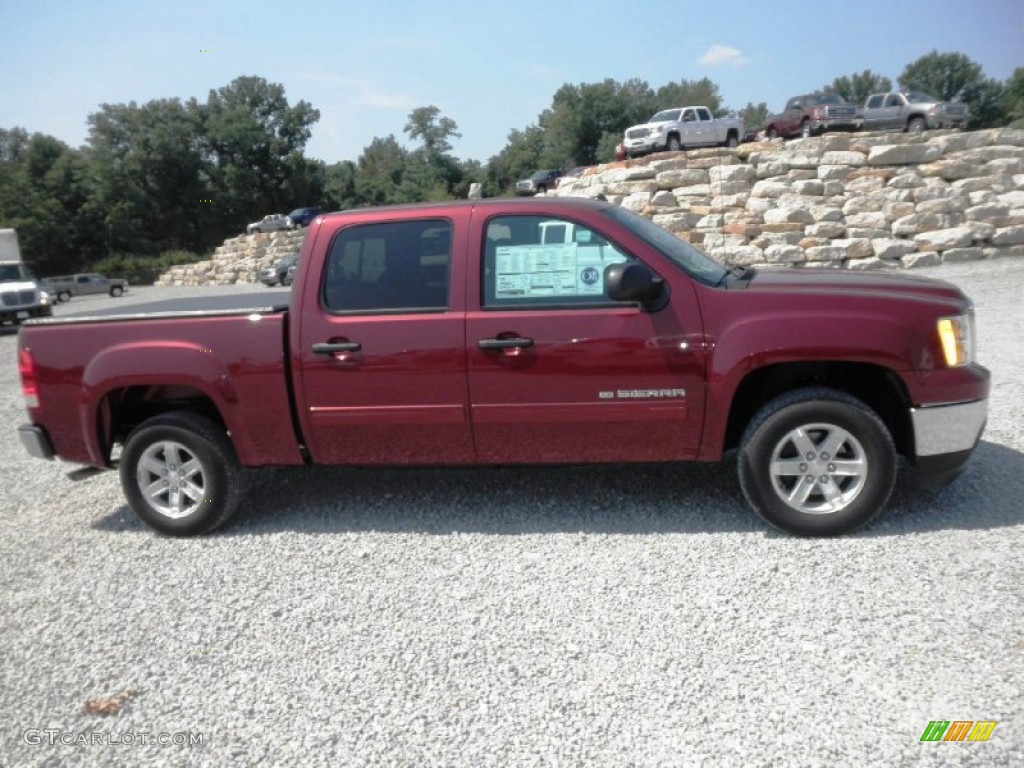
x=912 y=111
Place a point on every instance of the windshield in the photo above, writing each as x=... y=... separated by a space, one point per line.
x=666 y=116
x=12 y=272
x=920 y=97
x=541 y=175
x=696 y=264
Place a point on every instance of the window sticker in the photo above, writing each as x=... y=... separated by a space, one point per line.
x=562 y=269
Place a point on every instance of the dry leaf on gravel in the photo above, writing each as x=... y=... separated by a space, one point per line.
x=109 y=705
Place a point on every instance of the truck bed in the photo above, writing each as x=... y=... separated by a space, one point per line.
x=186 y=306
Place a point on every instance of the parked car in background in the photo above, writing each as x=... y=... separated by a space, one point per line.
x=301 y=217
x=682 y=127
x=292 y=271
x=21 y=295
x=278 y=273
x=272 y=222
x=67 y=286
x=620 y=151
x=539 y=182
x=813 y=114
x=912 y=111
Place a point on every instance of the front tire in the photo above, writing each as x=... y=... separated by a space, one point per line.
x=915 y=125
x=805 y=129
x=116 y=291
x=817 y=462
x=673 y=144
x=64 y=296
x=180 y=474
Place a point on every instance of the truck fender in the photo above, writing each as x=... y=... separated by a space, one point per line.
x=153 y=363
x=762 y=340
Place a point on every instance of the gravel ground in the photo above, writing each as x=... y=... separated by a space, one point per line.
x=610 y=616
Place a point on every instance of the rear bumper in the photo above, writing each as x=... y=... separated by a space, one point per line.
x=945 y=437
x=36 y=441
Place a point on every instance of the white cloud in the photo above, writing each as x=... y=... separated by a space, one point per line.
x=723 y=54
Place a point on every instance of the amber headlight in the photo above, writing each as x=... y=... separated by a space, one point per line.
x=956 y=335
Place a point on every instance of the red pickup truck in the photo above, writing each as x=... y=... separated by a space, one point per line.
x=462 y=334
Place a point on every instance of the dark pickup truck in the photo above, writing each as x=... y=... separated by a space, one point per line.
x=460 y=334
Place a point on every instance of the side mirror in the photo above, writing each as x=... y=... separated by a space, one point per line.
x=633 y=281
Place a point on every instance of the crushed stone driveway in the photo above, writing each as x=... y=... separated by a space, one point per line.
x=610 y=616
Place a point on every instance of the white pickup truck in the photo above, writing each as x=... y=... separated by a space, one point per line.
x=682 y=127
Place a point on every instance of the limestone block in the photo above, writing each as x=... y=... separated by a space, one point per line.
x=826 y=229
x=891 y=249
x=943 y=239
x=692 y=190
x=868 y=220
x=809 y=187
x=871 y=262
x=962 y=254
x=675 y=222
x=681 y=177
x=859 y=248
x=922 y=259
x=770 y=188
x=1008 y=235
x=788 y=216
x=784 y=254
x=834 y=172
x=827 y=253
x=903 y=154
x=907 y=180
x=742 y=173
x=663 y=199
x=840 y=158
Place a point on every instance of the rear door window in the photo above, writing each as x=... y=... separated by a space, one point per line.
x=390 y=267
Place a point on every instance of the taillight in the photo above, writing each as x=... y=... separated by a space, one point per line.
x=29 y=383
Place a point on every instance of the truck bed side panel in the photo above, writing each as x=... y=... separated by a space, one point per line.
x=235 y=360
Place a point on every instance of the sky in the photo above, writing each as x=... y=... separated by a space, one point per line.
x=490 y=66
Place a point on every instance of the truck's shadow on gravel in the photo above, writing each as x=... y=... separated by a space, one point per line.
x=643 y=499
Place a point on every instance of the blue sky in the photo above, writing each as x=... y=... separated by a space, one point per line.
x=490 y=66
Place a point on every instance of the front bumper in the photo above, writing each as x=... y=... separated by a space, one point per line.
x=945 y=436
x=636 y=147
x=20 y=314
x=836 y=124
x=36 y=441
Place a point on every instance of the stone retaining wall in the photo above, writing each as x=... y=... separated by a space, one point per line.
x=238 y=260
x=859 y=201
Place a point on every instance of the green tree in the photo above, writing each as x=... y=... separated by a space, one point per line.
x=955 y=77
x=379 y=172
x=520 y=157
x=253 y=140
x=687 y=93
x=1013 y=97
x=431 y=171
x=754 y=117
x=43 y=186
x=427 y=125
x=857 y=87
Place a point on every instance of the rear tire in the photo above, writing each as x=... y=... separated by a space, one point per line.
x=180 y=474
x=732 y=141
x=817 y=462
x=771 y=133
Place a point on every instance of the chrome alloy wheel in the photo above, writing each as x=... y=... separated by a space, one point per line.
x=818 y=469
x=171 y=479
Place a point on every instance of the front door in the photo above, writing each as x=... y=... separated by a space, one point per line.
x=381 y=360
x=558 y=373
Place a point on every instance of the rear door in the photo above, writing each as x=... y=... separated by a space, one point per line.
x=380 y=349
x=560 y=374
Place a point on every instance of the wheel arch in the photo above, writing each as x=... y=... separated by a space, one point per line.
x=876 y=386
